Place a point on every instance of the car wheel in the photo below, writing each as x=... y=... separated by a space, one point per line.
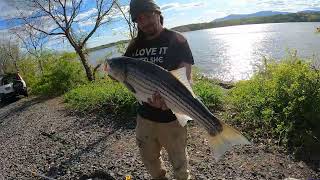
x=2 y=98
x=25 y=93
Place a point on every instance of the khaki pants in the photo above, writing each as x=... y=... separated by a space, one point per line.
x=152 y=136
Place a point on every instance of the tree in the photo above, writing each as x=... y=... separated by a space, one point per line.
x=9 y=55
x=133 y=30
x=66 y=18
x=32 y=41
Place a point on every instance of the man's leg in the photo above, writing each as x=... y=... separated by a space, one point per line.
x=174 y=139
x=149 y=148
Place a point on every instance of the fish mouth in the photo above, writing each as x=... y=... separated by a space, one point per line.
x=107 y=70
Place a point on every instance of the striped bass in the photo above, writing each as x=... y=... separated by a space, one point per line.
x=144 y=79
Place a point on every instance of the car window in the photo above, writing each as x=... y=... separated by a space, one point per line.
x=9 y=79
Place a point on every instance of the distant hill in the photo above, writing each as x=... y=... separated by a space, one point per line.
x=257 y=14
x=107 y=45
x=280 y=18
x=309 y=11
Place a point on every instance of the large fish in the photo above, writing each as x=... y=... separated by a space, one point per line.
x=144 y=79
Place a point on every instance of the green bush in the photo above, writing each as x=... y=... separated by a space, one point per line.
x=28 y=69
x=102 y=94
x=60 y=74
x=282 y=101
x=210 y=94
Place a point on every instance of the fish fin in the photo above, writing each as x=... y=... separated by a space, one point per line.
x=181 y=75
x=141 y=97
x=182 y=118
x=227 y=138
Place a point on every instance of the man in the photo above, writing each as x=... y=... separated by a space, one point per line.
x=157 y=126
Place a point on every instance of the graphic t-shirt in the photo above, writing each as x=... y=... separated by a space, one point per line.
x=168 y=50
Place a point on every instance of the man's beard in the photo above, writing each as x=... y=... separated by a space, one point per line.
x=151 y=30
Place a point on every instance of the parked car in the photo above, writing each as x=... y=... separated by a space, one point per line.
x=12 y=85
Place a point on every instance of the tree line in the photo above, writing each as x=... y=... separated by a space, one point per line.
x=293 y=17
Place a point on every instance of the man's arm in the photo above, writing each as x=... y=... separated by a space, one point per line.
x=184 y=54
x=188 y=67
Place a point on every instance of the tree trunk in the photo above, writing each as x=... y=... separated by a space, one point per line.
x=95 y=70
x=16 y=66
x=79 y=51
x=40 y=66
x=86 y=65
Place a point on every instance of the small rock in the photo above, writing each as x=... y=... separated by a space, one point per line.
x=146 y=176
x=300 y=164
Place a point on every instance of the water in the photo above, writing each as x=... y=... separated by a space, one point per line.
x=234 y=53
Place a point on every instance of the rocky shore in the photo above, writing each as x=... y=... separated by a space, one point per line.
x=40 y=139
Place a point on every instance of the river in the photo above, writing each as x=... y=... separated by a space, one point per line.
x=234 y=53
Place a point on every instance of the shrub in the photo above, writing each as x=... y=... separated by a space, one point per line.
x=102 y=94
x=281 y=101
x=60 y=74
x=210 y=94
x=28 y=69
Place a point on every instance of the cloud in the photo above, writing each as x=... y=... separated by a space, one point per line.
x=88 y=22
x=169 y=6
x=13 y=8
x=118 y=29
x=289 y=5
x=209 y=15
x=86 y=14
x=114 y=14
x=6 y=9
x=181 y=6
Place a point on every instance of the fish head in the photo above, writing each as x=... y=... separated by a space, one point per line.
x=116 y=68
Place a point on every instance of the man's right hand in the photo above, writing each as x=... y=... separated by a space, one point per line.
x=157 y=101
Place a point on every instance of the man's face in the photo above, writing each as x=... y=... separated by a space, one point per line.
x=149 y=22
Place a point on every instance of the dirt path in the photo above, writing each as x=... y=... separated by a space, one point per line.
x=40 y=135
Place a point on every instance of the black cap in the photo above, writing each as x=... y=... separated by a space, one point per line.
x=139 y=6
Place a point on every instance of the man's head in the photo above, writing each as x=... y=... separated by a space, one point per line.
x=147 y=14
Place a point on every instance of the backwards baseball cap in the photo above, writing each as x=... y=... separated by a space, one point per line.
x=139 y=6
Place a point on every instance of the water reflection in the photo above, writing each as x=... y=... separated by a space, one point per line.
x=233 y=53
x=241 y=59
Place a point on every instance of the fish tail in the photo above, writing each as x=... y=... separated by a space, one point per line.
x=227 y=138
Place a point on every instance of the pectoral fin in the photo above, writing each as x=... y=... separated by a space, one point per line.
x=181 y=75
x=182 y=118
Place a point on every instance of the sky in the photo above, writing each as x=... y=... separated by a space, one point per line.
x=175 y=12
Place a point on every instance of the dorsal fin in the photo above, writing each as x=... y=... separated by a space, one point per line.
x=181 y=75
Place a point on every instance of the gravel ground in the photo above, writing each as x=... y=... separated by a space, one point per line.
x=39 y=138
